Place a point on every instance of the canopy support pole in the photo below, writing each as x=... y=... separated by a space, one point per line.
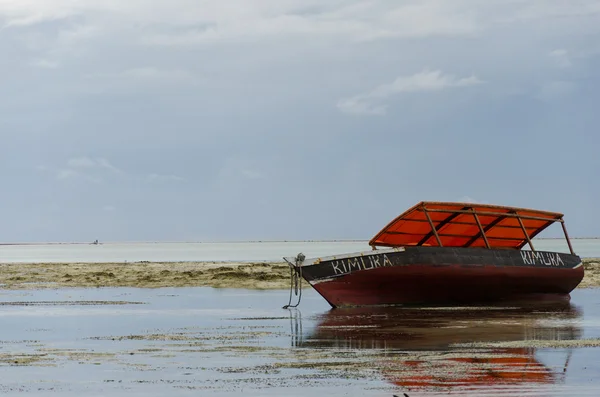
x=525 y=232
x=485 y=229
x=562 y=223
x=487 y=243
x=435 y=233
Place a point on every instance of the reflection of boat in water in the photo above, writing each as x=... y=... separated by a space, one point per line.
x=504 y=366
x=440 y=328
x=448 y=347
x=447 y=253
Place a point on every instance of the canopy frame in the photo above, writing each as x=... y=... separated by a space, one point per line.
x=448 y=215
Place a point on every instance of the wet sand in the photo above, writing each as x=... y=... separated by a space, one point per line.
x=146 y=275
x=258 y=275
x=592 y=273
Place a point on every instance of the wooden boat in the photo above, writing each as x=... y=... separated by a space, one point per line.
x=441 y=252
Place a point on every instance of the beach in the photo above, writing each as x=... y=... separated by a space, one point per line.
x=207 y=318
x=253 y=275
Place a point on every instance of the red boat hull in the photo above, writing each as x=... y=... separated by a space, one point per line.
x=441 y=275
x=423 y=284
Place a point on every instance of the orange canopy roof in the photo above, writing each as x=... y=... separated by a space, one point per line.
x=461 y=225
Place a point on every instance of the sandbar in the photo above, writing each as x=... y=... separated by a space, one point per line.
x=256 y=275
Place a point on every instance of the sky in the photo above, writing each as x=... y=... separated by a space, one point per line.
x=197 y=120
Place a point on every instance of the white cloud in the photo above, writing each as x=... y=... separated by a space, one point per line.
x=104 y=163
x=164 y=178
x=468 y=199
x=81 y=162
x=66 y=174
x=24 y=13
x=553 y=90
x=198 y=22
x=471 y=200
x=425 y=81
x=108 y=208
x=87 y=162
x=561 y=58
x=272 y=72
x=99 y=169
x=45 y=64
x=86 y=168
x=69 y=173
x=358 y=21
x=239 y=171
x=155 y=74
x=545 y=9
x=252 y=174
x=360 y=105
x=138 y=78
x=77 y=33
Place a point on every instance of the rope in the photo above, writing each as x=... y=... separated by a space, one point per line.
x=291 y=283
x=295 y=281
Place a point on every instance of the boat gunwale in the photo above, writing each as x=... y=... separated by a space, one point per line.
x=317 y=260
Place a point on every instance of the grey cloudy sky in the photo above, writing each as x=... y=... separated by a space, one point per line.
x=291 y=119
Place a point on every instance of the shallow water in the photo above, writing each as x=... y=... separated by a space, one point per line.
x=222 y=342
x=221 y=252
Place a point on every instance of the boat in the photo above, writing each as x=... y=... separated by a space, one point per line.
x=443 y=253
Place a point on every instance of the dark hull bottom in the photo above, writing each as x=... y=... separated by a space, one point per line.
x=453 y=284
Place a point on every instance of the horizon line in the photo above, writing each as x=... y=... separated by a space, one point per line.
x=230 y=241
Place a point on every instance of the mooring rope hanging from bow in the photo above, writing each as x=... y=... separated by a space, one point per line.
x=295 y=280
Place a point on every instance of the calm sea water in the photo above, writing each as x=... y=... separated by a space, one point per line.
x=221 y=252
x=224 y=342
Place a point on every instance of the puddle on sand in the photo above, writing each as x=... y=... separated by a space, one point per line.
x=226 y=342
